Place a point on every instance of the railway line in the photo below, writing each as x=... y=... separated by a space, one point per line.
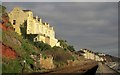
x=81 y=69
x=105 y=70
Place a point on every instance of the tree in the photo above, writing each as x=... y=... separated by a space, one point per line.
x=42 y=46
x=2 y=9
x=71 y=48
x=63 y=43
x=23 y=28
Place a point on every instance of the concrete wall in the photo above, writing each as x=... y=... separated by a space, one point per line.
x=54 y=42
x=47 y=40
x=39 y=38
x=47 y=63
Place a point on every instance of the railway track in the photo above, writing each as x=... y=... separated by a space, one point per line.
x=81 y=69
x=105 y=70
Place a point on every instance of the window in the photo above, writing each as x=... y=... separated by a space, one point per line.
x=35 y=39
x=39 y=20
x=14 y=22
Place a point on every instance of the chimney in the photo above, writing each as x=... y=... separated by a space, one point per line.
x=48 y=25
x=40 y=20
x=36 y=18
x=45 y=23
x=51 y=28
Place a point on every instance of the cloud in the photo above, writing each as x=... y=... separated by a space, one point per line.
x=84 y=25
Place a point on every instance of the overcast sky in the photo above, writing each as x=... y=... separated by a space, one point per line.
x=59 y=0
x=82 y=24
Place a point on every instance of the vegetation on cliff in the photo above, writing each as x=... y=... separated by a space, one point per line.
x=18 y=49
x=12 y=43
x=65 y=45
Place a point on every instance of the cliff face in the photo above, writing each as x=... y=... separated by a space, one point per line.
x=8 y=53
x=15 y=49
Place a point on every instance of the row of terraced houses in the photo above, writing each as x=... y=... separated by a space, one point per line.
x=88 y=54
x=34 y=26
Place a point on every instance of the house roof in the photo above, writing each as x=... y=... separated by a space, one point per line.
x=26 y=10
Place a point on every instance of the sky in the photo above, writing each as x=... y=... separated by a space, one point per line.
x=92 y=25
x=59 y=0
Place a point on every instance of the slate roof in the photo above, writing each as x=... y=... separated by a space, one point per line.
x=26 y=10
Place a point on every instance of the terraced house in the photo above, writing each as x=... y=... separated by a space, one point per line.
x=34 y=26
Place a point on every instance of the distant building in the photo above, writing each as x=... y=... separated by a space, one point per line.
x=92 y=55
x=34 y=26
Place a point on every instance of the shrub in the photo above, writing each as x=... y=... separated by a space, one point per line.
x=72 y=58
x=9 y=24
x=71 y=48
x=29 y=60
x=59 y=54
x=44 y=56
x=42 y=46
x=12 y=66
x=2 y=9
x=65 y=46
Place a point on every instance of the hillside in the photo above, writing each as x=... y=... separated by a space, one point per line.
x=17 y=51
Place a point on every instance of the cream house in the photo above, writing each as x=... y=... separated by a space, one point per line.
x=34 y=26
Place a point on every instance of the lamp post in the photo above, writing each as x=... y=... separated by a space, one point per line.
x=23 y=65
